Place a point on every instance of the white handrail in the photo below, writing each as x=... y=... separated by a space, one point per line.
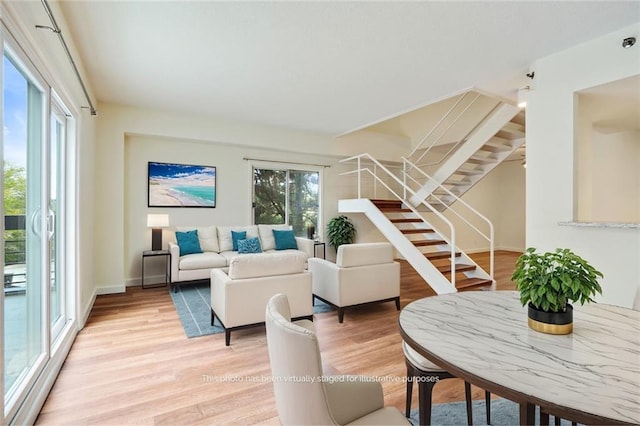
x=437 y=124
x=445 y=131
x=490 y=238
x=452 y=230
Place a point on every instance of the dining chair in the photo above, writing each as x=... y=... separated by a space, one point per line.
x=428 y=375
x=303 y=394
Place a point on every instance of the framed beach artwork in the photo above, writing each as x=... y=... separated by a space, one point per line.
x=181 y=185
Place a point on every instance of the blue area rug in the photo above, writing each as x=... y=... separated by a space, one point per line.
x=503 y=413
x=193 y=304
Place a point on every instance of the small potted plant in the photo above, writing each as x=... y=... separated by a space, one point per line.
x=547 y=282
x=340 y=231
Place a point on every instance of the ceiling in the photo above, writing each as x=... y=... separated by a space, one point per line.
x=328 y=67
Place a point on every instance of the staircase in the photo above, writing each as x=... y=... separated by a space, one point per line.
x=408 y=207
x=433 y=246
x=499 y=133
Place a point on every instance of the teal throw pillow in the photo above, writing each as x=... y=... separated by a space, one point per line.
x=250 y=245
x=237 y=236
x=188 y=242
x=285 y=239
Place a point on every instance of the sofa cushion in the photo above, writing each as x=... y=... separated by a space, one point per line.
x=364 y=254
x=188 y=242
x=249 y=245
x=224 y=235
x=266 y=264
x=266 y=235
x=207 y=236
x=285 y=240
x=204 y=260
x=237 y=236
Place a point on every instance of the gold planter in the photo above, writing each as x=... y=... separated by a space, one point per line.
x=551 y=322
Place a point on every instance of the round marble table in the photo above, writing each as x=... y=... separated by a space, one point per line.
x=591 y=376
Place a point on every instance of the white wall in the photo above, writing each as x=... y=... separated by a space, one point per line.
x=129 y=137
x=550 y=160
x=500 y=197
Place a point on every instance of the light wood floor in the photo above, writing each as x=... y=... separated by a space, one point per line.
x=132 y=363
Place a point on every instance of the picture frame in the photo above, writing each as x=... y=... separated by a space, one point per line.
x=180 y=185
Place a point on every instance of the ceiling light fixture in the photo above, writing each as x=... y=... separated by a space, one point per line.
x=523 y=92
x=628 y=42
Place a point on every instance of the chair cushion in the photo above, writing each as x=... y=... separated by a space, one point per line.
x=418 y=360
x=204 y=260
x=265 y=265
x=362 y=254
x=266 y=235
x=188 y=242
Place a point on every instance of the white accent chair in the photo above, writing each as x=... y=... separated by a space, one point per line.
x=301 y=397
x=363 y=273
x=239 y=297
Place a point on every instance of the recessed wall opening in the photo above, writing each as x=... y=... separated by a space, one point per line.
x=607 y=152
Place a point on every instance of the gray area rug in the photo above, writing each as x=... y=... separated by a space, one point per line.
x=192 y=302
x=503 y=413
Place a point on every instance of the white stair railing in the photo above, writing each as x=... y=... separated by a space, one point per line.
x=402 y=198
x=448 y=205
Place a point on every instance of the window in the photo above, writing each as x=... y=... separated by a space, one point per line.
x=287 y=196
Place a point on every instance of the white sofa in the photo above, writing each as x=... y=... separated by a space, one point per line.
x=239 y=297
x=217 y=250
x=363 y=273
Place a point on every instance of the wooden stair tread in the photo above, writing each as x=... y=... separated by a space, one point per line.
x=422 y=243
x=496 y=148
x=459 y=268
x=386 y=203
x=406 y=220
x=468 y=172
x=394 y=210
x=481 y=160
x=417 y=231
x=440 y=255
x=472 y=282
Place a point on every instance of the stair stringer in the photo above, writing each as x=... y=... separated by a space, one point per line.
x=472 y=180
x=434 y=278
x=487 y=130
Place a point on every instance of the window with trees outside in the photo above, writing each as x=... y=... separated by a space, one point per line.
x=287 y=196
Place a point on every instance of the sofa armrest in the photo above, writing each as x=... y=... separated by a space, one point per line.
x=174 y=249
x=305 y=245
x=352 y=397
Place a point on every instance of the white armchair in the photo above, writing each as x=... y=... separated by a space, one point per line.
x=303 y=395
x=363 y=273
x=239 y=297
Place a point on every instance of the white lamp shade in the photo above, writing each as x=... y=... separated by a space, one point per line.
x=157 y=220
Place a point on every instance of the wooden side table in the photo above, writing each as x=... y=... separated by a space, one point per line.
x=167 y=272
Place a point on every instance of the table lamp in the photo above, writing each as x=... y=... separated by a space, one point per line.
x=156 y=222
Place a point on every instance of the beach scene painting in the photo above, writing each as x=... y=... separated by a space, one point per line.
x=181 y=185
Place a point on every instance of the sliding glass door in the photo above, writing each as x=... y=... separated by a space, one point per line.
x=287 y=196
x=34 y=182
x=24 y=337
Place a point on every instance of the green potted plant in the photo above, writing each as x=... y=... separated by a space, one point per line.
x=340 y=231
x=547 y=282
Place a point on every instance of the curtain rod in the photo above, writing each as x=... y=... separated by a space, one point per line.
x=56 y=29
x=285 y=162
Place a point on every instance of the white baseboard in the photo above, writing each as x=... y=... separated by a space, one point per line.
x=148 y=279
x=84 y=315
x=110 y=290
